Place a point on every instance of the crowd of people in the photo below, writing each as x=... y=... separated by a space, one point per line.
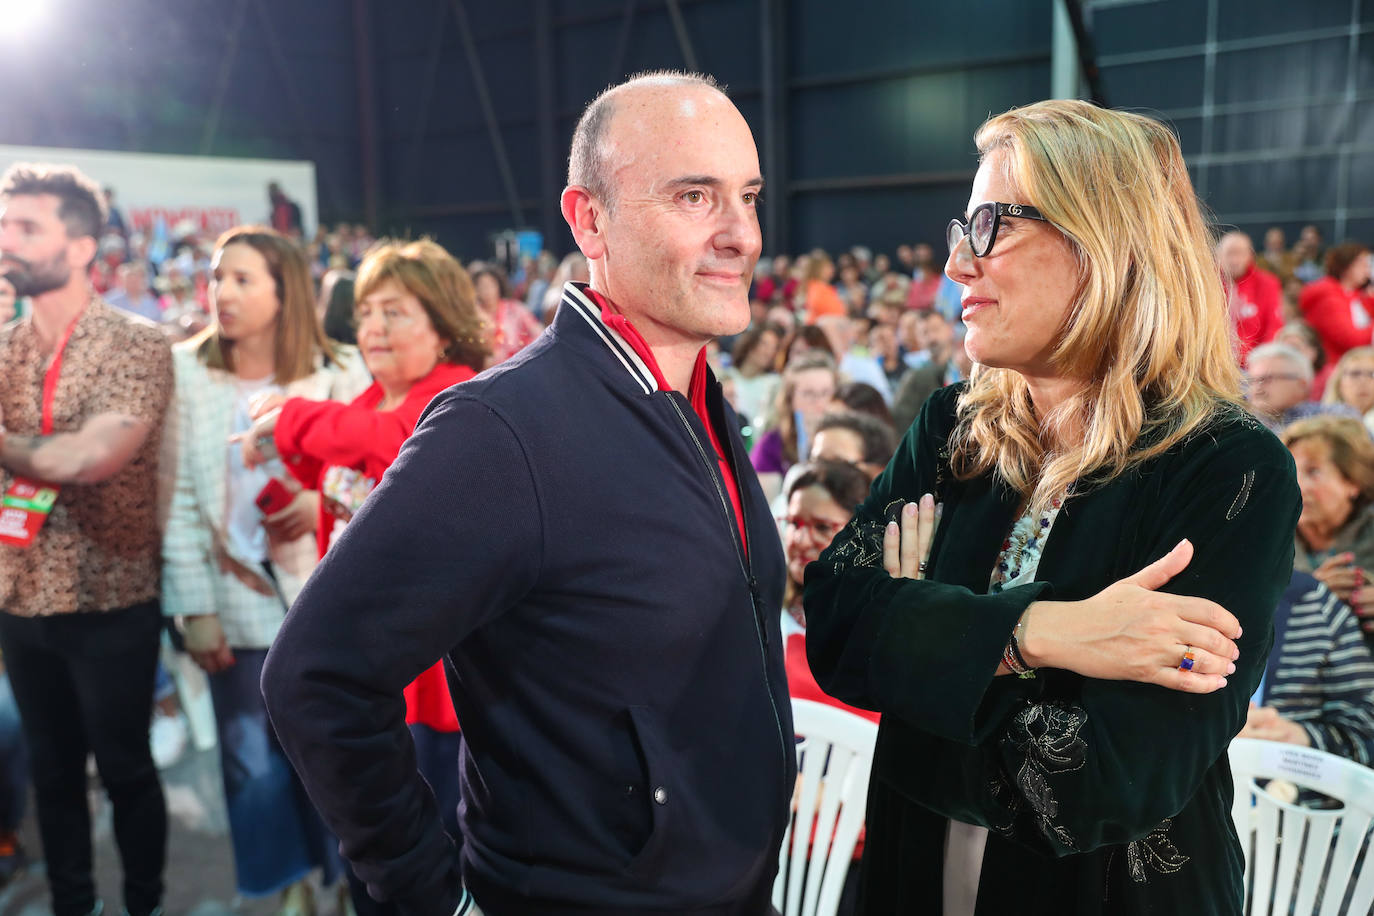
x=290 y=374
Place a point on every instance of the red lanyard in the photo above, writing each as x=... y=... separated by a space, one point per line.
x=53 y=372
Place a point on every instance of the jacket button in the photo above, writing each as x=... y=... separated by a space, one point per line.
x=661 y=795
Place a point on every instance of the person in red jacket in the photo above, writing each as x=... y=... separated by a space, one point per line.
x=419 y=332
x=1255 y=295
x=1337 y=305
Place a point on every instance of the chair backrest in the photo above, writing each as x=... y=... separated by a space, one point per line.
x=834 y=756
x=1294 y=854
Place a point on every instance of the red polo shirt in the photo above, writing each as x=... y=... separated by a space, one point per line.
x=696 y=394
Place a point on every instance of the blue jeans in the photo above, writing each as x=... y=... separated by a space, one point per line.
x=278 y=836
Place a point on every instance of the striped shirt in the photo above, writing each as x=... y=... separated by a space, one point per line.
x=1323 y=677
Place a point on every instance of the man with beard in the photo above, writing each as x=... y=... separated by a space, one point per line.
x=82 y=401
x=579 y=533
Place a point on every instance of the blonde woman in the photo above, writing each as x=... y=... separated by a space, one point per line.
x=1352 y=383
x=230 y=570
x=1061 y=667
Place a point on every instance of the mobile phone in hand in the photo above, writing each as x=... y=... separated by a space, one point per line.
x=273 y=498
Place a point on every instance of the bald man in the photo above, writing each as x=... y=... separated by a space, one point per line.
x=1255 y=295
x=579 y=533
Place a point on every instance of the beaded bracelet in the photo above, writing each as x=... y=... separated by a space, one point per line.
x=1012 y=657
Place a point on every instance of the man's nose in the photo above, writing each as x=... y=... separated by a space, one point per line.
x=739 y=230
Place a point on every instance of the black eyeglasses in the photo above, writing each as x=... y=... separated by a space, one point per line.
x=982 y=225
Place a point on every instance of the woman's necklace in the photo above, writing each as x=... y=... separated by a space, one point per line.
x=1026 y=540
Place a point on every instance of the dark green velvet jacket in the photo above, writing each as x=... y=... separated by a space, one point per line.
x=1107 y=797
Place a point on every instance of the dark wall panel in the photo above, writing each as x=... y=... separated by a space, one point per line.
x=880 y=100
x=1263 y=18
x=911 y=124
x=1268 y=115
x=1278 y=184
x=881 y=219
x=1151 y=86
x=899 y=109
x=1284 y=73
x=1293 y=129
x=1146 y=26
x=897 y=34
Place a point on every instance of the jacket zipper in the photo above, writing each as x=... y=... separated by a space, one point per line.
x=749 y=578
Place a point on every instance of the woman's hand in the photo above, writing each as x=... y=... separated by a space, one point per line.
x=262 y=430
x=298 y=519
x=1265 y=723
x=265 y=403
x=1361 y=601
x=906 y=547
x=1129 y=631
x=206 y=644
x=1341 y=575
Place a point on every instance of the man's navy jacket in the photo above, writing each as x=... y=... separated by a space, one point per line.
x=558 y=529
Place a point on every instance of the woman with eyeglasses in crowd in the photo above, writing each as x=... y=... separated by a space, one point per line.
x=820 y=501
x=1352 y=383
x=1052 y=664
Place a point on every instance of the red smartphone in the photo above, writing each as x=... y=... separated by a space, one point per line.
x=273 y=498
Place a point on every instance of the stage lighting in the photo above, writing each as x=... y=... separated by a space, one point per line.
x=20 y=18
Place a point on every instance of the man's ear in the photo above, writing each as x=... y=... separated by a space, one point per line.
x=81 y=252
x=585 y=215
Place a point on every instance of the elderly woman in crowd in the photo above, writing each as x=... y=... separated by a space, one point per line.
x=420 y=332
x=1335 y=536
x=1337 y=306
x=233 y=561
x=1352 y=384
x=1053 y=675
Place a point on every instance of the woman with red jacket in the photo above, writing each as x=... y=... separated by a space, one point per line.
x=419 y=333
x=1337 y=305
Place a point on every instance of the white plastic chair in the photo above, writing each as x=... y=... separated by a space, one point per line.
x=1295 y=854
x=833 y=761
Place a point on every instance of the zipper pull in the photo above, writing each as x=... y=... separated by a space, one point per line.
x=757 y=601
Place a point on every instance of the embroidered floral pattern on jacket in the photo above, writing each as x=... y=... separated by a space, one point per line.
x=1155 y=851
x=1047 y=734
x=860 y=544
x=1247 y=480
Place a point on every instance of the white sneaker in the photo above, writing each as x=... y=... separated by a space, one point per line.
x=169 y=735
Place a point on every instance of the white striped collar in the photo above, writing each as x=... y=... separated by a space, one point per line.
x=575 y=298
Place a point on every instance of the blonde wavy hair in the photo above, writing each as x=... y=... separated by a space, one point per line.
x=1148 y=331
x=1332 y=395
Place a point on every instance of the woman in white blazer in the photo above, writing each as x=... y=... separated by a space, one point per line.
x=231 y=570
